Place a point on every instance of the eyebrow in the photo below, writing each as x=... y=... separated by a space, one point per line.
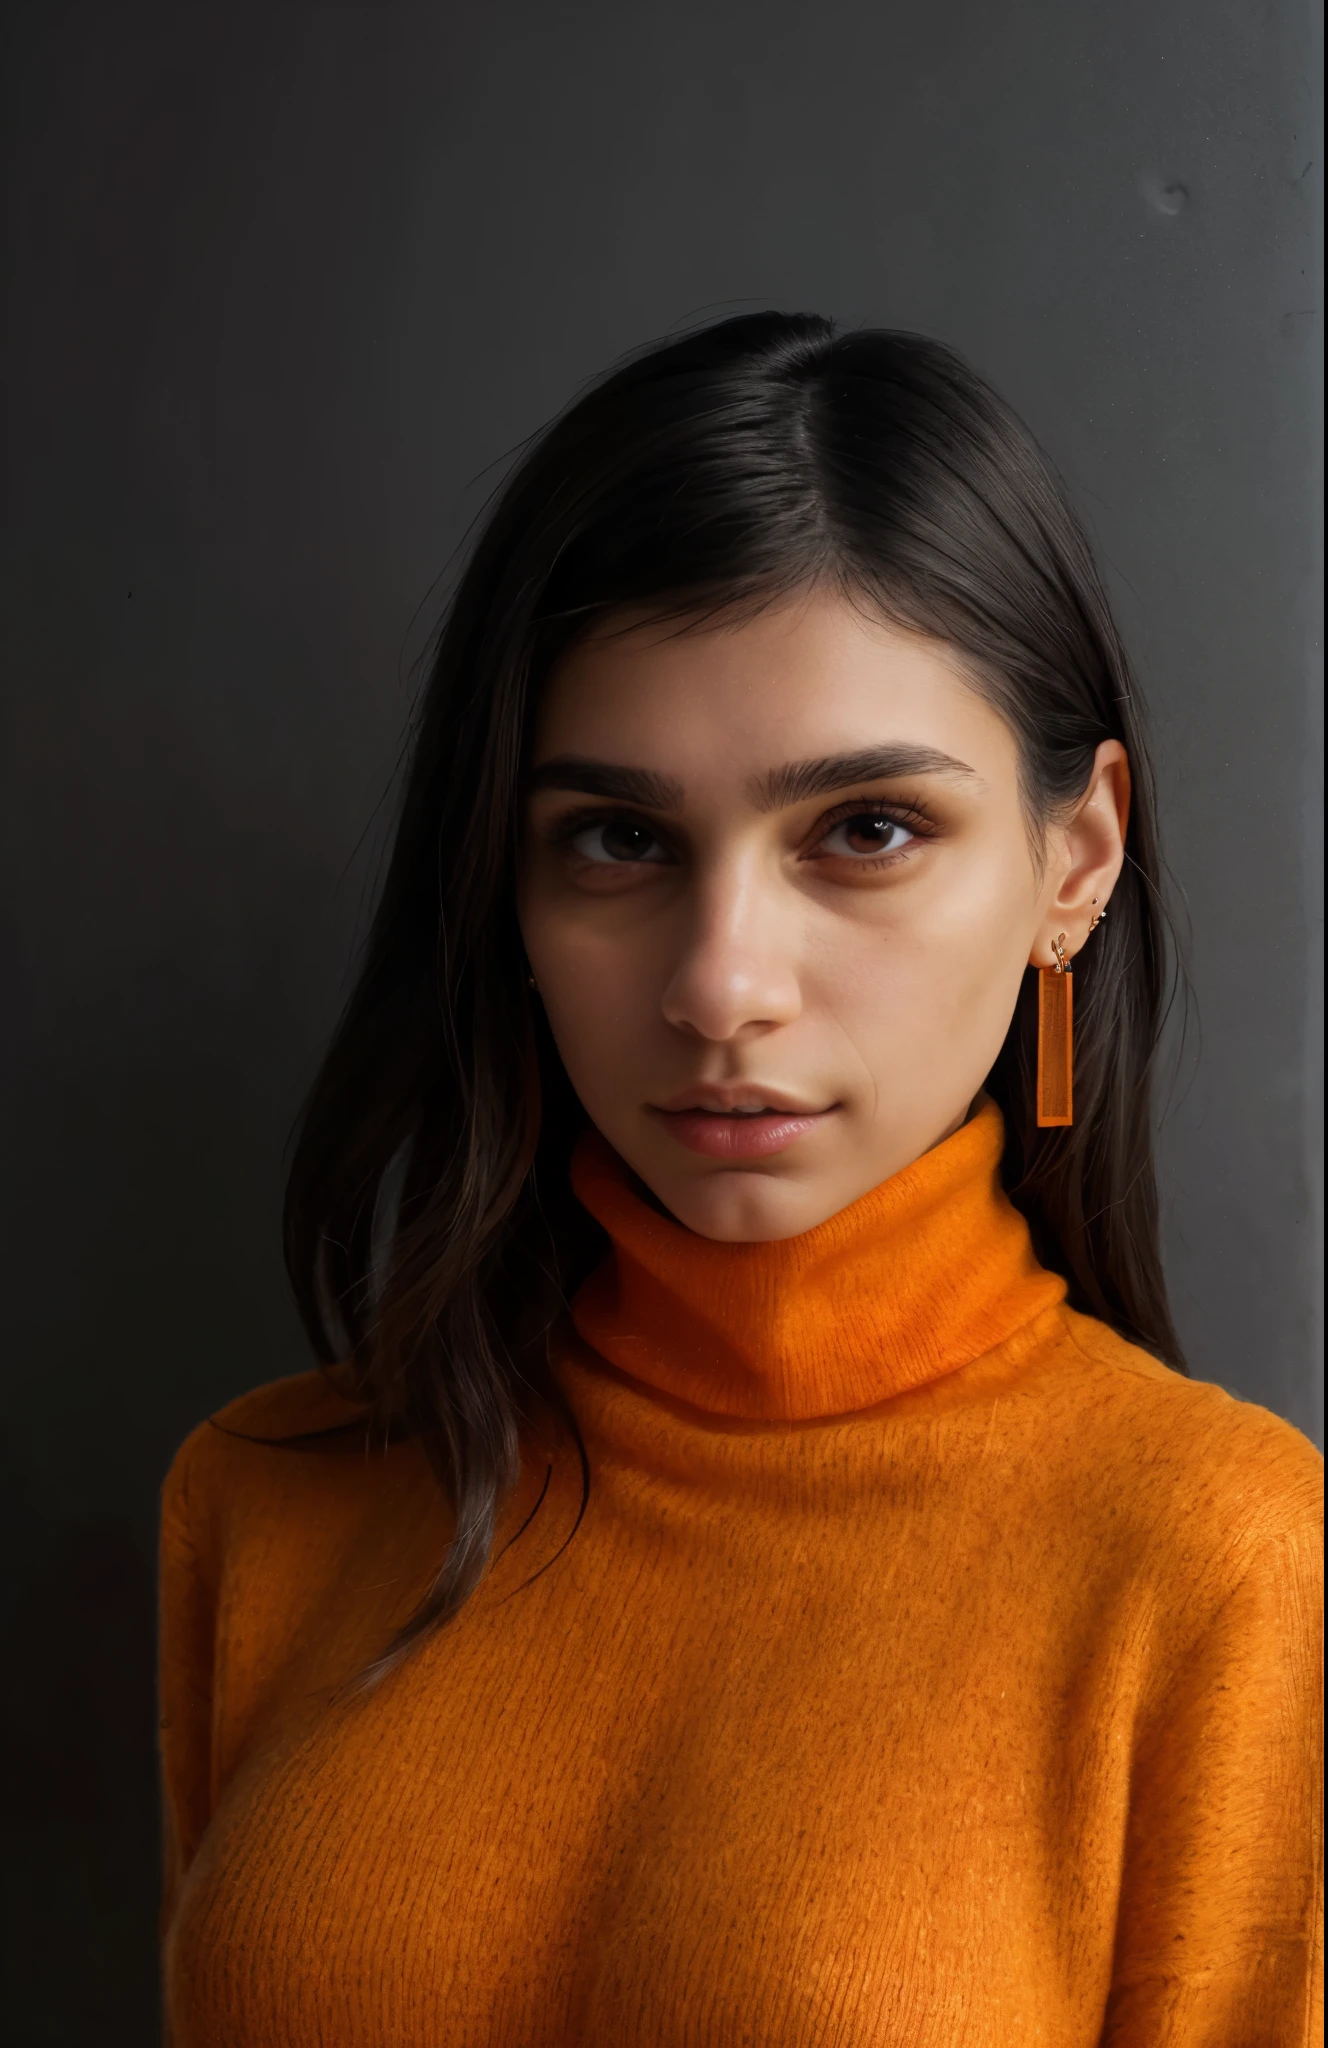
x=605 y=778
x=797 y=780
x=776 y=790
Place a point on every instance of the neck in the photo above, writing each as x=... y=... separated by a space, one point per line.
x=922 y=1275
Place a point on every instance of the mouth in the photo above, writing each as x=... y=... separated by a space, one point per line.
x=738 y=1123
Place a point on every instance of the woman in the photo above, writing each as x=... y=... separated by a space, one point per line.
x=752 y=1569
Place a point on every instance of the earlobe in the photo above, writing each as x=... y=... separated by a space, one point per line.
x=1060 y=950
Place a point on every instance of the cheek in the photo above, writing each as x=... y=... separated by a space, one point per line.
x=597 y=985
x=933 y=993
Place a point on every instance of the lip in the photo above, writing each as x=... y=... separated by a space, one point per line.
x=708 y=1120
x=722 y=1100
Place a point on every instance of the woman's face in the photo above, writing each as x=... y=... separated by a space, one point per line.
x=778 y=892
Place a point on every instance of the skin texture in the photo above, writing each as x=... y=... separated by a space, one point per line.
x=727 y=934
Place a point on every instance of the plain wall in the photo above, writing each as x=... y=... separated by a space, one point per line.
x=287 y=283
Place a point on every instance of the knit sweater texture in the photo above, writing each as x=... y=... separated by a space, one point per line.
x=929 y=1667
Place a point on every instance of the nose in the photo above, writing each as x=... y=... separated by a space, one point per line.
x=737 y=968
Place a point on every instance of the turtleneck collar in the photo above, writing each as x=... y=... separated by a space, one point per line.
x=927 y=1272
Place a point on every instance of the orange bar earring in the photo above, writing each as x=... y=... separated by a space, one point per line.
x=1055 y=1067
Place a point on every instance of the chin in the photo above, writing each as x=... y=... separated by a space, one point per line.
x=736 y=1207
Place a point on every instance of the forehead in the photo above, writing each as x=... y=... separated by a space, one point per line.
x=807 y=677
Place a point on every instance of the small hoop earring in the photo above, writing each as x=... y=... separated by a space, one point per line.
x=1096 y=921
x=531 y=982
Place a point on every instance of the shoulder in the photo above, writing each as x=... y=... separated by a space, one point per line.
x=305 y=1403
x=1194 y=1468
x=1234 y=1441
x=248 y=1448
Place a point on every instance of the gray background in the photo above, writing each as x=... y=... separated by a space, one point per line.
x=287 y=282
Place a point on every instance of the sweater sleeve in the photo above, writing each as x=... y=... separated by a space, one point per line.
x=1220 y=1928
x=185 y=1665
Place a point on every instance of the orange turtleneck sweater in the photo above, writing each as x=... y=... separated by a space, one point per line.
x=929 y=1668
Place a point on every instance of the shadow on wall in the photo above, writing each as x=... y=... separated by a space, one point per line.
x=77 y=1722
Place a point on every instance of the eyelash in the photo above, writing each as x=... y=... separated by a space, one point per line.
x=910 y=814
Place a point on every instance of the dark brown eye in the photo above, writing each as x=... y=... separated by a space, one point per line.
x=618 y=839
x=867 y=833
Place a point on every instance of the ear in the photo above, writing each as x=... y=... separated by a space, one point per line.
x=1087 y=852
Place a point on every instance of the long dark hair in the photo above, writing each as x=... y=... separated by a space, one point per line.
x=430 y=1235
